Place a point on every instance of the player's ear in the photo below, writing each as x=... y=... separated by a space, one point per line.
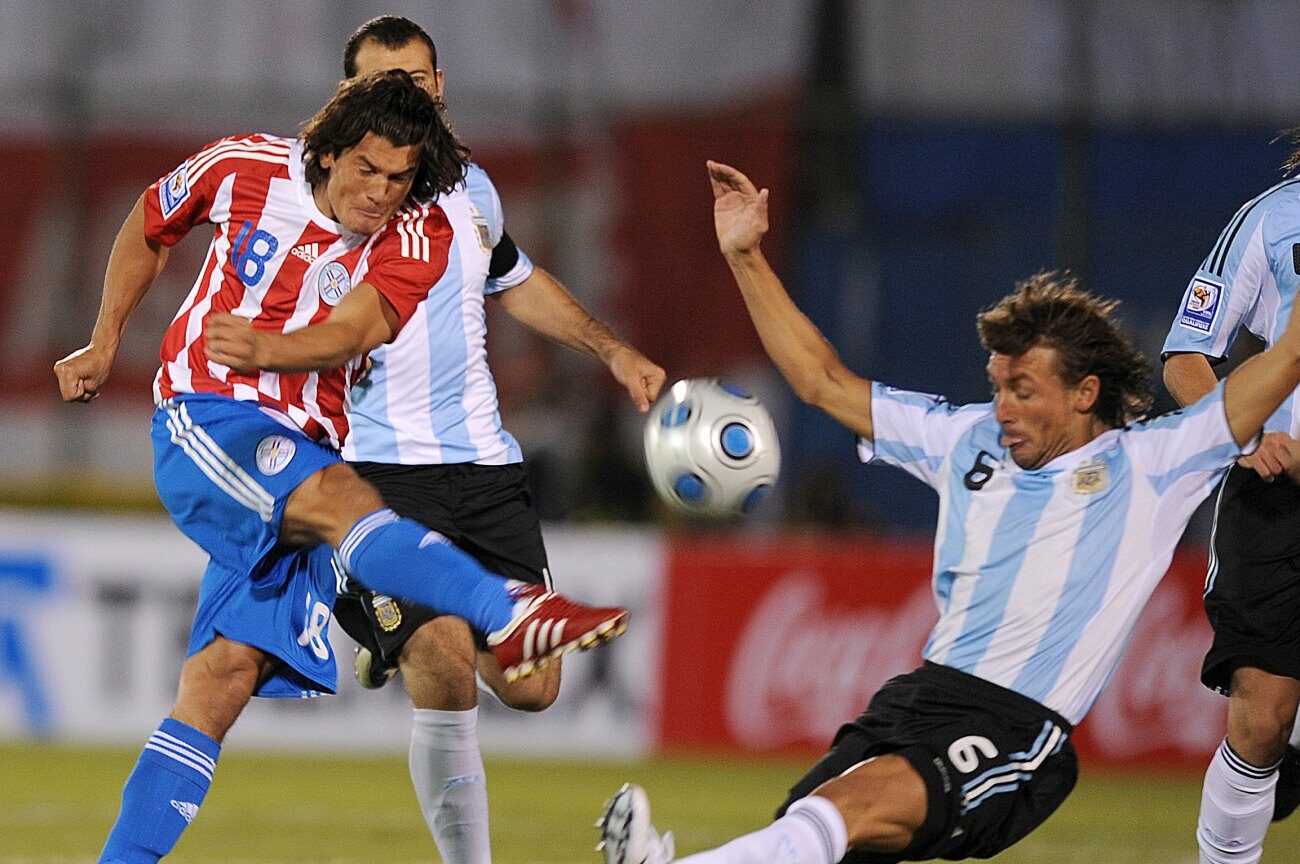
x=1086 y=393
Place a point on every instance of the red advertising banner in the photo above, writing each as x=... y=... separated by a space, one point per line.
x=771 y=645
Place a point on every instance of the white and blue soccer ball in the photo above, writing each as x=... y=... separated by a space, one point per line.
x=711 y=448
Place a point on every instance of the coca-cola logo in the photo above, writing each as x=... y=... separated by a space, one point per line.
x=801 y=669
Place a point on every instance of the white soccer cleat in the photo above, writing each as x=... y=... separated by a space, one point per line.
x=371 y=674
x=626 y=835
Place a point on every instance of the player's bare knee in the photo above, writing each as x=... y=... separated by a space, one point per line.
x=327 y=504
x=437 y=664
x=1259 y=730
x=537 y=692
x=883 y=802
x=216 y=683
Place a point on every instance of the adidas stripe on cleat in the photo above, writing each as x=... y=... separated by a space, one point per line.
x=547 y=625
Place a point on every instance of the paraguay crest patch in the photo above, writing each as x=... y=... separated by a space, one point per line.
x=387 y=613
x=1201 y=306
x=333 y=283
x=1092 y=476
x=174 y=190
x=274 y=453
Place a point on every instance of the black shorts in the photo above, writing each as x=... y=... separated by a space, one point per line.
x=485 y=510
x=995 y=764
x=1252 y=592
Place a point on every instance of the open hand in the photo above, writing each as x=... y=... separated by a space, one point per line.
x=739 y=209
x=1272 y=458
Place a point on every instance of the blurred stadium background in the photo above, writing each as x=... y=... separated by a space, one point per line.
x=922 y=155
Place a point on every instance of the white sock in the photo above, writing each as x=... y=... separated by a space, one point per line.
x=447 y=771
x=812 y=831
x=1295 y=734
x=1236 y=806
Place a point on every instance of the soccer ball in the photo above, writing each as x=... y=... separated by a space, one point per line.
x=711 y=448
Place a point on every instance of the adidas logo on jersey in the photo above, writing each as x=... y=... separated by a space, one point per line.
x=306 y=251
x=186 y=809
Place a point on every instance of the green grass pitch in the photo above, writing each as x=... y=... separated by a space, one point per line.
x=56 y=805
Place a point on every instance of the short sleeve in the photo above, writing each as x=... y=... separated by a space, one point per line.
x=916 y=431
x=177 y=202
x=1222 y=293
x=1190 y=444
x=509 y=267
x=409 y=257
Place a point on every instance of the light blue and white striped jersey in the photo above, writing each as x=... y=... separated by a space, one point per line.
x=429 y=397
x=1249 y=279
x=1040 y=575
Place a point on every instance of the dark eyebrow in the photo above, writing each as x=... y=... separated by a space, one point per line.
x=373 y=167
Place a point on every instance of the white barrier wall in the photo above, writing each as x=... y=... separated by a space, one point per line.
x=95 y=615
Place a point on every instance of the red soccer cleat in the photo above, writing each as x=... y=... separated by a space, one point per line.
x=548 y=625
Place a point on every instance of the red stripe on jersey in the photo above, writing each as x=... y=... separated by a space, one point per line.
x=296 y=270
x=410 y=254
x=253 y=147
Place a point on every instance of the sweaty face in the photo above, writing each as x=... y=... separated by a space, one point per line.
x=367 y=183
x=412 y=58
x=1041 y=416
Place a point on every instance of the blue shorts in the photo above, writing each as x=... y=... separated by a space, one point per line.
x=286 y=615
x=224 y=470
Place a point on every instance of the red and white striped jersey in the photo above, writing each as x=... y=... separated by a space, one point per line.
x=277 y=260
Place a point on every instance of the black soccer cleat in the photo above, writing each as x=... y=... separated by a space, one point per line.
x=1287 y=796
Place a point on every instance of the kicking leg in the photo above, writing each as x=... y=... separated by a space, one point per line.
x=526 y=625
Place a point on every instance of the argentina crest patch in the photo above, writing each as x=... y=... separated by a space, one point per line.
x=274 y=453
x=334 y=282
x=1092 y=476
x=174 y=190
x=1201 y=306
x=482 y=229
x=388 y=615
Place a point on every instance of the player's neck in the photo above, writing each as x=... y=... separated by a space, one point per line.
x=320 y=195
x=1079 y=436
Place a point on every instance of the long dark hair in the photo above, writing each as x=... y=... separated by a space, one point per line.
x=1050 y=309
x=390 y=105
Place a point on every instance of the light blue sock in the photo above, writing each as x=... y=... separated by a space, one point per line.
x=402 y=558
x=162 y=795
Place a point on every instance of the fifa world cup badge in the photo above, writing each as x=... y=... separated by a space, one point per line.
x=174 y=190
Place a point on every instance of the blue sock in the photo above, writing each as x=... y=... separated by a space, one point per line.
x=402 y=558
x=162 y=795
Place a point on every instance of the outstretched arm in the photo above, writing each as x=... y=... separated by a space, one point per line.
x=133 y=265
x=1257 y=387
x=545 y=306
x=1189 y=376
x=362 y=321
x=797 y=348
